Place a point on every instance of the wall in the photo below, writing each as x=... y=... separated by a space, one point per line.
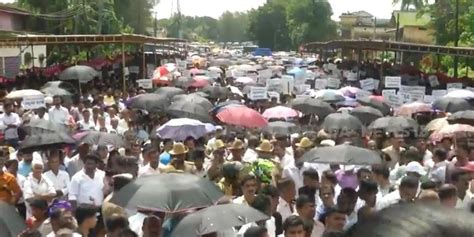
x=367 y=32
x=8 y=52
x=415 y=34
x=6 y=22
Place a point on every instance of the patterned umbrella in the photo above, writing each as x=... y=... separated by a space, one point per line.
x=450 y=131
x=436 y=124
x=413 y=108
x=242 y=116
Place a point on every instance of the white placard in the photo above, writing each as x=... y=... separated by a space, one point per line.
x=334 y=83
x=145 y=83
x=125 y=71
x=309 y=75
x=376 y=84
x=258 y=93
x=438 y=93
x=321 y=84
x=393 y=82
x=237 y=73
x=394 y=100
x=264 y=75
x=416 y=92
x=33 y=102
x=287 y=77
x=362 y=94
x=451 y=86
x=274 y=94
x=428 y=99
x=300 y=89
x=405 y=97
x=182 y=65
x=433 y=80
x=351 y=76
x=367 y=84
x=134 y=69
x=274 y=85
x=386 y=93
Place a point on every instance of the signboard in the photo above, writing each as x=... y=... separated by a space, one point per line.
x=352 y=76
x=333 y=83
x=134 y=69
x=12 y=66
x=453 y=86
x=417 y=93
x=264 y=75
x=376 y=84
x=145 y=83
x=321 y=84
x=428 y=99
x=394 y=100
x=433 y=80
x=405 y=97
x=386 y=93
x=274 y=85
x=258 y=93
x=438 y=93
x=367 y=84
x=309 y=75
x=393 y=82
x=33 y=102
x=300 y=89
x=287 y=85
x=274 y=94
x=182 y=65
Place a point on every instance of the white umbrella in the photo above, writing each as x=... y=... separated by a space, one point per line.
x=215 y=69
x=460 y=93
x=245 y=80
x=79 y=72
x=235 y=90
x=181 y=128
x=24 y=93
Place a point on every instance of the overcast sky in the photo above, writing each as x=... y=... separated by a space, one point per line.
x=214 y=8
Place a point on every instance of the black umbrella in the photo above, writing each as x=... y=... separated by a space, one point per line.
x=451 y=105
x=217 y=218
x=312 y=106
x=169 y=91
x=11 y=224
x=100 y=138
x=463 y=117
x=46 y=141
x=281 y=127
x=194 y=99
x=366 y=114
x=171 y=192
x=339 y=123
x=224 y=104
x=330 y=97
x=394 y=124
x=184 y=109
x=41 y=126
x=343 y=155
x=60 y=88
x=79 y=72
x=149 y=102
x=183 y=82
x=216 y=92
x=375 y=102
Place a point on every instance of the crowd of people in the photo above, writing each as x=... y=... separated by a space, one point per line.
x=67 y=191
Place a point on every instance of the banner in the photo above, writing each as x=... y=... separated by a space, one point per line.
x=367 y=84
x=393 y=82
x=33 y=102
x=258 y=93
x=145 y=83
x=274 y=94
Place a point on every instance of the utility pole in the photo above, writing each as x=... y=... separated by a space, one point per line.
x=178 y=6
x=456 y=37
x=101 y=10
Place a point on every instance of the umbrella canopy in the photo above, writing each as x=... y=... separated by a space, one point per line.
x=280 y=112
x=11 y=224
x=460 y=93
x=181 y=128
x=100 y=138
x=184 y=109
x=216 y=92
x=194 y=98
x=46 y=141
x=413 y=108
x=200 y=82
x=451 y=105
x=24 y=93
x=225 y=104
x=464 y=117
x=349 y=91
x=436 y=124
x=149 y=102
x=312 y=106
x=245 y=80
x=242 y=116
x=343 y=155
x=41 y=126
x=375 y=102
x=338 y=123
x=215 y=69
x=169 y=91
x=171 y=192
x=366 y=114
x=60 y=88
x=209 y=220
x=329 y=96
x=281 y=127
x=394 y=124
x=450 y=130
x=78 y=72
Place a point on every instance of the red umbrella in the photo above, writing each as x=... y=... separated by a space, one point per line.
x=242 y=116
x=200 y=81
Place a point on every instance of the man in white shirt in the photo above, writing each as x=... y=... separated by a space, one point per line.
x=58 y=114
x=461 y=179
x=11 y=122
x=438 y=170
x=86 y=124
x=76 y=163
x=151 y=159
x=59 y=178
x=406 y=193
x=287 y=197
x=87 y=185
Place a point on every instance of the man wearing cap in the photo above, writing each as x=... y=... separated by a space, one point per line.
x=211 y=143
x=237 y=150
x=265 y=167
x=214 y=171
x=10 y=121
x=178 y=160
x=305 y=144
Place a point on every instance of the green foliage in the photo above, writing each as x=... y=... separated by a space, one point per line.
x=410 y=4
x=233 y=26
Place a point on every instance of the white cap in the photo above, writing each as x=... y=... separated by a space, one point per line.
x=48 y=100
x=37 y=161
x=327 y=142
x=416 y=167
x=219 y=127
x=348 y=167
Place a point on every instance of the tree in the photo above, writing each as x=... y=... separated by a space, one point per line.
x=135 y=13
x=268 y=26
x=233 y=27
x=407 y=4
